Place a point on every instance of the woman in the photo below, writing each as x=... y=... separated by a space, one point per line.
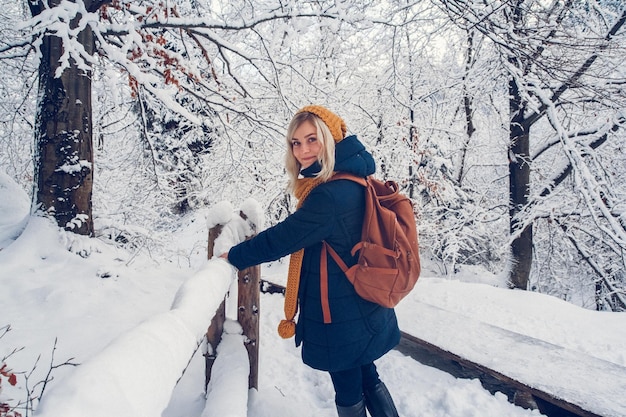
x=339 y=331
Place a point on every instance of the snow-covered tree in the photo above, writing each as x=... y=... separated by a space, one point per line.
x=204 y=67
x=502 y=120
x=562 y=63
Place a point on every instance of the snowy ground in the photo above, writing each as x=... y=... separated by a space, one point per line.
x=89 y=303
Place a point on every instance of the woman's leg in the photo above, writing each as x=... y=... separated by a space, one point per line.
x=349 y=392
x=348 y=387
x=369 y=376
x=377 y=398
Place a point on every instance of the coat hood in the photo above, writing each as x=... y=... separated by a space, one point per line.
x=350 y=156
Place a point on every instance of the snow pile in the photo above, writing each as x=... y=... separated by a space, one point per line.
x=134 y=376
x=228 y=387
x=14 y=207
x=237 y=225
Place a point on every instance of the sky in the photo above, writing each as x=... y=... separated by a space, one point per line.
x=133 y=321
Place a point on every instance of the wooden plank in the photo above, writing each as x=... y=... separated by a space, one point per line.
x=577 y=382
x=517 y=392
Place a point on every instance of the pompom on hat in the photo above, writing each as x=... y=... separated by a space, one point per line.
x=335 y=123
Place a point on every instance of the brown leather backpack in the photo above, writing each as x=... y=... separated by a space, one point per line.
x=388 y=263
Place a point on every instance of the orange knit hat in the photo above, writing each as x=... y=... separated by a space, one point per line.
x=335 y=123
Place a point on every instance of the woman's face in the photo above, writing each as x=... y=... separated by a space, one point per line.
x=305 y=145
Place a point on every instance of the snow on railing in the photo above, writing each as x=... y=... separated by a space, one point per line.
x=135 y=375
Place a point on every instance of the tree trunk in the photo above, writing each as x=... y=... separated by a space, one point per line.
x=63 y=138
x=519 y=186
x=468 y=106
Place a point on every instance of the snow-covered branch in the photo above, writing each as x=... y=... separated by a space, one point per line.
x=597 y=196
x=148 y=43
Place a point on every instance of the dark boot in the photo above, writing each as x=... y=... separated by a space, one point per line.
x=379 y=402
x=356 y=410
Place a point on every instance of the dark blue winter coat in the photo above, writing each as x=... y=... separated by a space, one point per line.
x=360 y=331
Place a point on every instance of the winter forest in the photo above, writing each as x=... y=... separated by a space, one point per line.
x=503 y=120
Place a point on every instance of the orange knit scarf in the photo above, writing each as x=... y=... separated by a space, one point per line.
x=287 y=327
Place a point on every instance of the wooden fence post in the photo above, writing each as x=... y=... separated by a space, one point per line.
x=215 y=330
x=248 y=305
x=248 y=317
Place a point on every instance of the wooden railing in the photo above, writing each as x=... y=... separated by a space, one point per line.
x=136 y=373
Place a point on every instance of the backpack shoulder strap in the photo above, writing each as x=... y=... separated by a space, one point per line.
x=351 y=177
x=326 y=248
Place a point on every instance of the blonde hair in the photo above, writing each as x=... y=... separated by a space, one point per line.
x=327 y=156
